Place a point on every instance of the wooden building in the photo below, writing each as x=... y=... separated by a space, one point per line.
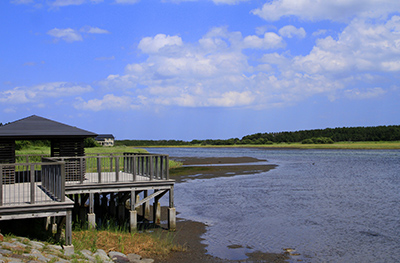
x=68 y=181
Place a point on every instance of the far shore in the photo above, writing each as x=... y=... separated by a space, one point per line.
x=338 y=145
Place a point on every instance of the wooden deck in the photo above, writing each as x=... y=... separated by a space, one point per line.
x=65 y=185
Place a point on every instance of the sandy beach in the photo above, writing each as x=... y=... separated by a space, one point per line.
x=189 y=233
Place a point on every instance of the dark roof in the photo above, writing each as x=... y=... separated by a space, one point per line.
x=104 y=136
x=35 y=127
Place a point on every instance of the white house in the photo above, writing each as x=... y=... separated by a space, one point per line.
x=105 y=139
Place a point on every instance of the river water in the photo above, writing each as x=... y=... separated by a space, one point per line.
x=327 y=205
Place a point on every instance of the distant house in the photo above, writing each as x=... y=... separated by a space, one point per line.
x=105 y=139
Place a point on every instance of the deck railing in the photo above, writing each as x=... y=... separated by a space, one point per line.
x=31 y=183
x=129 y=167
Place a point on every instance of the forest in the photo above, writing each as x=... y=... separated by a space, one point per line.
x=317 y=136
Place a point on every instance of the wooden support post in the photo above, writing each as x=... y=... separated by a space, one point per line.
x=112 y=205
x=68 y=228
x=91 y=215
x=121 y=208
x=172 y=219
x=146 y=206
x=171 y=211
x=132 y=213
x=156 y=211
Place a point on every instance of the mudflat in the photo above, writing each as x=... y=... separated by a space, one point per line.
x=189 y=233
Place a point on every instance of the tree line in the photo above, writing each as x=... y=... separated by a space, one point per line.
x=316 y=136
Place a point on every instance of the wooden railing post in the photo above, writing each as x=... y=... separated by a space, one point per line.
x=62 y=183
x=32 y=172
x=81 y=172
x=134 y=160
x=116 y=169
x=151 y=164
x=99 y=168
x=1 y=185
x=167 y=167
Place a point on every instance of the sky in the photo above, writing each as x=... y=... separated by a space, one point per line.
x=200 y=69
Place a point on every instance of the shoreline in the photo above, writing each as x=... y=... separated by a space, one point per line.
x=189 y=232
x=334 y=146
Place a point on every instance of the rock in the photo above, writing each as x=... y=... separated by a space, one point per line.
x=118 y=257
x=102 y=255
x=88 y=254
x=147 y=260
x=55 y=247
x=5 y=251
x=134 y=257
x=36 y=245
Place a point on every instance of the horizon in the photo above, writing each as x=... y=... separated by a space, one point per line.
x=209 y=69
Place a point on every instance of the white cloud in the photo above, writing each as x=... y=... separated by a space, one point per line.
x=153 y=45
x=67 y=34
x=126 y=1
x=291 y=31
x=269 y=41
x=362 y=46
x=61 y=3
x=218 y=2
x=94 y=30
x=37 y=93
x=108 y=102
x=232 y=98
x=19 y=2
x=336 y=10
x=364 y=94
x=71 y=35
x=226 y=69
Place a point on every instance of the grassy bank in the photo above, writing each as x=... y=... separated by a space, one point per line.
x=336 y=145
x=155 y=244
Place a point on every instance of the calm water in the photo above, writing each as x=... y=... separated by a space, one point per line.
x=328 y=205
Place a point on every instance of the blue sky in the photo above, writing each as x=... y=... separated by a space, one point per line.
x=200 y=69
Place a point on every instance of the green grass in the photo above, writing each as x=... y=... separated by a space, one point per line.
x=339 y=145
x=298 y=145
x=114 y=149
x=158 y=243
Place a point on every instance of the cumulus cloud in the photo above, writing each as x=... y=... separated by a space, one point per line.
x=19 y=2
x=218 y=2
x=37 y=93
x=67 y=34
x=227 y=69
x=71 y=35
x=94 y=30
x=270 y=40
x=291 y=31
x=362 y=46
x=126 y=1
x=326 y=10
x=63 y=3
x=154 y=44
x=368 y=93
x=108 y=102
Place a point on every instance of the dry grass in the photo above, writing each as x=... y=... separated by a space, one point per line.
x=157 y=244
